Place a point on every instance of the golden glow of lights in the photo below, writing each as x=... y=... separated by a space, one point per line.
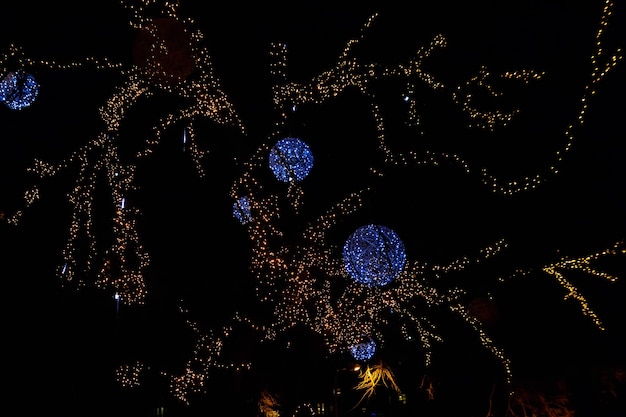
x=299 y=279
x=601 y=64
x=374 y=376
x=558 y=270
x=281 y=268
x=128 y=376
x=120 y=268
x=268 y=404
x=205 y=357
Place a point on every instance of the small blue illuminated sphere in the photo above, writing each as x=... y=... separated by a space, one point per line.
x=363 y=351
x=290 y=159
x=241 y=210
x=374 y=255
x=18 y=90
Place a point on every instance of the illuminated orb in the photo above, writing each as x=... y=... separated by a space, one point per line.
x=290 y=160
x=241 y=210
x=162 y=50
x=363 y=351
x=374 y=255
x=18 y=90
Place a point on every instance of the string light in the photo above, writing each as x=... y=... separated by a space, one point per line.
x=305 y=280
x=307 y=273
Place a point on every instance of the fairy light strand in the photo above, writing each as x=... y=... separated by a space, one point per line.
x=296 y=278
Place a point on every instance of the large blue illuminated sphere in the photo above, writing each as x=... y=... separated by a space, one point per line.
x=363 y=351
x=18 y=90
x=374 y=255
x=290 y=160
x=241 y=210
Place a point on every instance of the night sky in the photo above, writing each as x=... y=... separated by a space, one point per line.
x=62 y=342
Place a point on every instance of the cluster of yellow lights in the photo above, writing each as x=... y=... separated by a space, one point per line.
x=373 y=377
x=300 y=278
x=129 y=375
x=121 y=267
x=584 y=264
x=205 y=358
x=602 y=63
x=268 y=404
x=572 y=291
x=207 y=350
x=307 y=409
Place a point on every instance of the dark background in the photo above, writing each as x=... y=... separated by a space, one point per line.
x=61 y=344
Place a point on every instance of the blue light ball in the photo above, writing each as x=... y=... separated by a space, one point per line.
x=290 y=159
x=374 y=255
x=363 y=351
x=18 y=90
x=241 y=210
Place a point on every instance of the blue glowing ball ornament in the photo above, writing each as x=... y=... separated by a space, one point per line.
x=290 y=159
x=363 y=351
x=18 y=90
x=374 y=255
x=241 y=210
